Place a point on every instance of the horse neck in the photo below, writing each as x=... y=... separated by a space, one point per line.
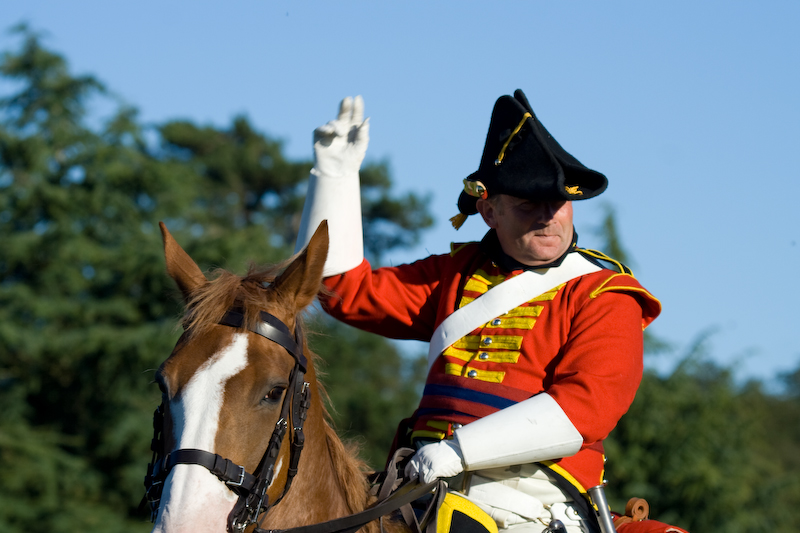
x=330 y=482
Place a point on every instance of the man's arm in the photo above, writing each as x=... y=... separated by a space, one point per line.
x=334 y=192
x=391 y=302
x=594 y=384
x=533 y=430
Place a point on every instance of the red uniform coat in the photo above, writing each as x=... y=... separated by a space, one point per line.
x=581 y=343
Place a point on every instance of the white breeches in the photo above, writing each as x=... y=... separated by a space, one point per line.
x=522 y=498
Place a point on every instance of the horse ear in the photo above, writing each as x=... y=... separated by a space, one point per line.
x=180 y=266
x=302 y=278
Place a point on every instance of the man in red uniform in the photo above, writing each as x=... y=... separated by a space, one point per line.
x=536 y=344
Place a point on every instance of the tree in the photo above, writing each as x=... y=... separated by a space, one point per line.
x=246 y=177
x=74 y=336
x=707 y=454
x=371 y=386
x=87 y=313
x=86 y=310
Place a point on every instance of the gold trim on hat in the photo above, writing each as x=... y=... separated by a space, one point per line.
x=574 y=190
x=502 y=154
x=475 y=188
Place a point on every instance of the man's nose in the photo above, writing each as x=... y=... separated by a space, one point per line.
x=545 y=211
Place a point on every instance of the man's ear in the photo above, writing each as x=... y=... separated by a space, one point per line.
x=488 y=211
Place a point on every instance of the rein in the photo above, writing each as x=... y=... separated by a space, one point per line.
x=393 y=492
x=251 y=488
x=347 y=524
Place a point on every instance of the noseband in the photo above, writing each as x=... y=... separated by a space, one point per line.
x=251 y=488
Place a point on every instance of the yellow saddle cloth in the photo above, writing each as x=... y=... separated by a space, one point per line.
x=459 y=515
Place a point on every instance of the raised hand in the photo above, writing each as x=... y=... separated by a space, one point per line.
x=340 y=145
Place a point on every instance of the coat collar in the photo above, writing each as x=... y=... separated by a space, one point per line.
x=490 y=245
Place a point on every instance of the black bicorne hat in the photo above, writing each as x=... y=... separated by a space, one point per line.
x=521 y=158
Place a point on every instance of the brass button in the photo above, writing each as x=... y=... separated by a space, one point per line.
x=487 y=341
x=496 y=322
x=483 y=356
x=472 y=374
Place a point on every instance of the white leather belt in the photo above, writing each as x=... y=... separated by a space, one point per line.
x=504 y=297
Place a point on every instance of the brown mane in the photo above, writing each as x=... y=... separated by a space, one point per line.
x=226 y=290
x=351 y=474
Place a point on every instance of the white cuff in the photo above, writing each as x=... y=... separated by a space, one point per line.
x=337 y=200
x=536 y=429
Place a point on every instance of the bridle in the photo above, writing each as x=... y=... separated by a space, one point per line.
x=251 y=488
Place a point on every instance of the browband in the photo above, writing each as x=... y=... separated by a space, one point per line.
x=270 y=328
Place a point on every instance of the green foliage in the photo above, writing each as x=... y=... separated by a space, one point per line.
x=86 y=310
x=371 y=386
x=87 y=314
x=707 y=454
x=75 y=336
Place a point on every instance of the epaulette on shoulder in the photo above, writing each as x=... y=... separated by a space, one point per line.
x=456 y=247
x=603 y=261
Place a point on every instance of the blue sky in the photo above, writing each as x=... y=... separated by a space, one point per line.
x=690 y=108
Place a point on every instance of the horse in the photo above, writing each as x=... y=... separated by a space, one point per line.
x=239 y=379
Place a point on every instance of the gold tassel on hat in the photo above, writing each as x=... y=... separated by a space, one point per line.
x=458 y=220
x=476 y=189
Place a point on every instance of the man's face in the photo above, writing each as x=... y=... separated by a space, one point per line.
x=533 y=233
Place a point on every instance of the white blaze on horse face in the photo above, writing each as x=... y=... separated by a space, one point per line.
x=194 y=499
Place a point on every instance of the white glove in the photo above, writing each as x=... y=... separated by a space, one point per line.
x=334 y=191
x=340 y=145
x=437 y=460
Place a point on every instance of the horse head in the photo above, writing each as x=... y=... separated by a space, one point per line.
x=236 y=390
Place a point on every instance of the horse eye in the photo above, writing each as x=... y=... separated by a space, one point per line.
x=275 y=394
x=162 y=386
